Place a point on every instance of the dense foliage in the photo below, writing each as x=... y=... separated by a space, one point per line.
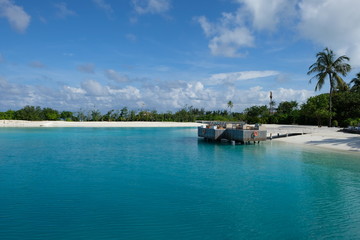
x=315 y=111
x=186 y=114
x=332 y=68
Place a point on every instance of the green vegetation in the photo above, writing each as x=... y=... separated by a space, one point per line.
x=356 y=83
x=230 y=105
x=327 y=66
x=315 y=110
x=341 y=106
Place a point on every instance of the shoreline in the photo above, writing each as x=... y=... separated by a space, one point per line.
x=55 y=124
x=323 y=137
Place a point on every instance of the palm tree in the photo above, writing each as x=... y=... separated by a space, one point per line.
x=356 y=83
x=272 y=106
x=327 y=66
x=230 y=105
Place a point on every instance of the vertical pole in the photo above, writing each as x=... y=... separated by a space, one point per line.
x=270 y=104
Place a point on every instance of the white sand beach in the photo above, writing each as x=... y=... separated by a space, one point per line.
x=324 y=137
x=20 y=123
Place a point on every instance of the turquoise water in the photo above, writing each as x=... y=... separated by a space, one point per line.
x=164 y=183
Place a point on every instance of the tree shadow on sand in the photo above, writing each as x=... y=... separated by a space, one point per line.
x=352 y=142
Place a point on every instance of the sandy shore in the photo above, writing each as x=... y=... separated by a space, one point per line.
x=19 y=123
x=323 y=137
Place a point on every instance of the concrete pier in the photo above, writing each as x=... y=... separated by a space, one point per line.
x=237 y=132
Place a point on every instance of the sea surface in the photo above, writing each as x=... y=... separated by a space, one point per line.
x=165 y=183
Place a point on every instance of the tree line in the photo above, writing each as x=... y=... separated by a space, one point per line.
x=186 y=114
x=315 y=111
x=339 y=107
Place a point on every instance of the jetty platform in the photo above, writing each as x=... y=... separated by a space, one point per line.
x=235 y=132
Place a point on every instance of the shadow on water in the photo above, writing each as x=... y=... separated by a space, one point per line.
x=225 y=151
x=223 y=142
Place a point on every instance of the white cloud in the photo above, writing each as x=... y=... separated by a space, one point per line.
x=222 y=78
x=227 y=36
x=86 y=68
x=196 y=94
x=207 y=27
x=299 y=95
x=115 y=76
x=17 y=17
x=103 y=5
x=332 y=24
x=74 y=90
x=127 y=93
x=63 y=10
x=175 y=95
x=92 y=93
x=265 y=14
x=15 y=96
x=94 y=88
x=151 y=6
x=228 y=42
x=327 y=23
x=235 y=31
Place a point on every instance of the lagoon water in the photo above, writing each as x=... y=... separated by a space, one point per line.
x=164 y=183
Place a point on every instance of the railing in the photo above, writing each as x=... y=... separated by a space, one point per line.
x=220 y=123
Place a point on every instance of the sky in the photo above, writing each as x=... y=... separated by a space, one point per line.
x=168 y=54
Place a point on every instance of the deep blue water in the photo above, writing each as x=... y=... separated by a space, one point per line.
x=164 y=183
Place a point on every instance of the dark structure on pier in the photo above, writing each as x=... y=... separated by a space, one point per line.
x=237 y=132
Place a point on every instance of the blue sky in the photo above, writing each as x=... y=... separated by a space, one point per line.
x=166 y=54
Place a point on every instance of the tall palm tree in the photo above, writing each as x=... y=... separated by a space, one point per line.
x=230 y=105
x=327 y=66
x=356 y=83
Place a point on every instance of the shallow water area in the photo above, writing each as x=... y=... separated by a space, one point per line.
x=165 y=183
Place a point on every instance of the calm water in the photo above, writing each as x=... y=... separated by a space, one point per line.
x=164 y=183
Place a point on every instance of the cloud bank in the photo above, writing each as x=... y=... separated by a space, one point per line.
x=227 y=36
x=19 y=20
x=327 y=23
x=162 y=96
x=334 y=24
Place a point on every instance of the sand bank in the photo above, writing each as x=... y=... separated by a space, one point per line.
x=19 y=123
x=324 y=137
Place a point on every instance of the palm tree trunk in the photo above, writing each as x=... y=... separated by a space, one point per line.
x=330 y=101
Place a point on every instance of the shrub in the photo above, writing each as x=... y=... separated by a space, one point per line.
x=335 y=123
x=352 y=122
